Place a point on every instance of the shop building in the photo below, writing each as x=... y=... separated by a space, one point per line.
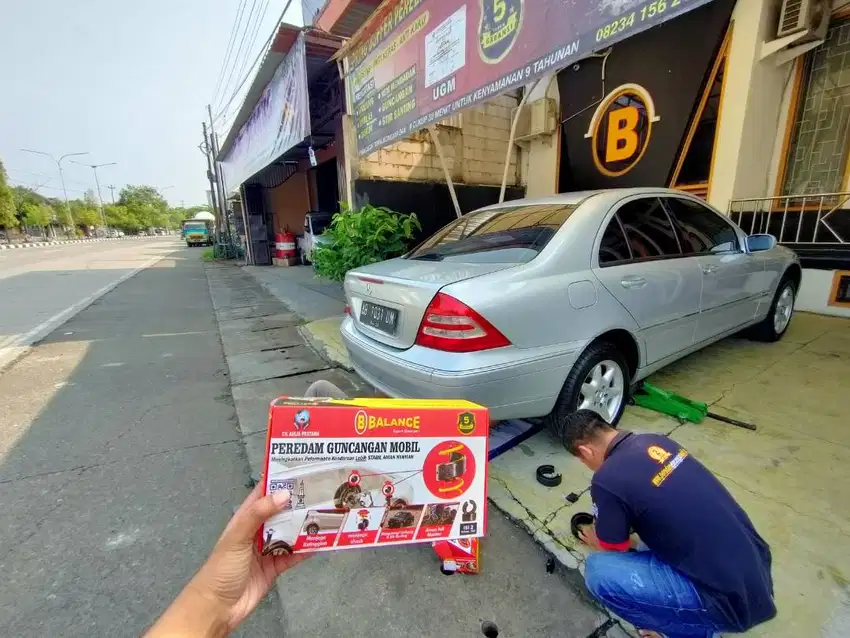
x=744 y=103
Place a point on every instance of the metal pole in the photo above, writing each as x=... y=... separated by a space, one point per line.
x=525 y=95
x=210 y=177
x=61 y=176
x=432 y=129
x=220 y=214
x=99 y=198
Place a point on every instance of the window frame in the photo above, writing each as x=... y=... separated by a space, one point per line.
x=609 y=264
x=639 y=260
x=710 y=210
x=796 y=101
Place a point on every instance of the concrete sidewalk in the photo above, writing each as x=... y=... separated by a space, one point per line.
x=319 y=302
x=791 y=475
x=389 y=591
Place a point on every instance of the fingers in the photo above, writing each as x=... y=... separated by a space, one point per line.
x=255 y=511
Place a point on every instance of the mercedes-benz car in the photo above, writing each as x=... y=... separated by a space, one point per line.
x=539 y=307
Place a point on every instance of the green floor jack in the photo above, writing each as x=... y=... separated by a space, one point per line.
x=653 y=398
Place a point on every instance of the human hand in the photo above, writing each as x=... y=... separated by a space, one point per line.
x=235 y=577
x=587 y=534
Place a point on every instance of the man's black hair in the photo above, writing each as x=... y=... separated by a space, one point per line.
x=580 y=427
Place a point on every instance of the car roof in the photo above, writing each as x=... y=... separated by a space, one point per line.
x=576 y=197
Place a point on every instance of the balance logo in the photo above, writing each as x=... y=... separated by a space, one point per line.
x=621 y=128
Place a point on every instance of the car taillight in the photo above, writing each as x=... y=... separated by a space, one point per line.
x=453 y=326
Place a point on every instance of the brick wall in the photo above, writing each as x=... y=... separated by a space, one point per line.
x=474 y=144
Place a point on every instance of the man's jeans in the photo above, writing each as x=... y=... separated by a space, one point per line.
x=647 y=592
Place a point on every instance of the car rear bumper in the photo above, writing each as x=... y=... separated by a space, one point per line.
x=511 y=382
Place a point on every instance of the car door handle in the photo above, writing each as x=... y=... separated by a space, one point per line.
x=633 y=282
x=709 y=269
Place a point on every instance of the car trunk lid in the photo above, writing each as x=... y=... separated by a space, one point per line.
x=388 y=300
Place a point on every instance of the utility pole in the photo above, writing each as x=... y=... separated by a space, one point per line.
x=112 y=191
x=219 y=180
x=61 y=177
x=94 y=167
x=207 y=149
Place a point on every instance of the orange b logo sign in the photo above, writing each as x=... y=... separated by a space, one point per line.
x=360 y=422
x=620 y=129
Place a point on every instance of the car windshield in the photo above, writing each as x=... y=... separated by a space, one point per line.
x=515 y=235
x=195 y=226
x=320 y=223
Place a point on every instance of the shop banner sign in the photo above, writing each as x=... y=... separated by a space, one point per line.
x=279 y=121
x=419 y=61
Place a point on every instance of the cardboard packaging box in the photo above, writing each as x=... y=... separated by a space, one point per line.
x=374 y=472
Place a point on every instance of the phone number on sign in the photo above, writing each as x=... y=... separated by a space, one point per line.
x=646 y=12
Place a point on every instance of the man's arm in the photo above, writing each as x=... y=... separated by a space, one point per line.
x=613 y=522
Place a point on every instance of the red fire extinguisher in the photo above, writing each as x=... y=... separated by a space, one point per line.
x=284 y=244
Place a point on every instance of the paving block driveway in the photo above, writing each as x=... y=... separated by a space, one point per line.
x=792 y=475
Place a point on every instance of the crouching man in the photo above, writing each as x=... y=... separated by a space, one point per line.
x=704 y=570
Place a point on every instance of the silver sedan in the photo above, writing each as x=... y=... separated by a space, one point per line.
x=539 y=307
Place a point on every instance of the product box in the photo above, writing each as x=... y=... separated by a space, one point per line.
x=373 y=472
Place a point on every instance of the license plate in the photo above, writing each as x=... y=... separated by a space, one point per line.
x=379 y=317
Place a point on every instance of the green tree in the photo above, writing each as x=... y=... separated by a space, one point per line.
x=145 y=205
x=84 y=213
x=117 y=216
x=7 y=201
x=38 y=215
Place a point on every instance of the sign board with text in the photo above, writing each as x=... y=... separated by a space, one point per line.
x=419 y=61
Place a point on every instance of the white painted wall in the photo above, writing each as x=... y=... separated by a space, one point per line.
x=814 y=293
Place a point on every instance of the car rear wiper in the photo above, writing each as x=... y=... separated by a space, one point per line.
x=429 y=257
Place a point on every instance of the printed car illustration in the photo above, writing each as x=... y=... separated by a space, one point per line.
x=329 y=486
x=323 y=521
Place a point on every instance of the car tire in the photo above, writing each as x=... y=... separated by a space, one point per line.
x=772 y=327
x=347 y=496
x=598 y=357
x=304 y=259
x=312 y=529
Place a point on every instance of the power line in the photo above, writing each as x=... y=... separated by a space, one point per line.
x=237 y=61
x=260 y=17
x=18 y=170
x=260 y=56
x=20 y=182
x=230 y=41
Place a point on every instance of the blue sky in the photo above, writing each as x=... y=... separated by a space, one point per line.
x=126 y=81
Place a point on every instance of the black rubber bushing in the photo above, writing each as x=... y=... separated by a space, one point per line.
x=546 y=475
x=580 y=519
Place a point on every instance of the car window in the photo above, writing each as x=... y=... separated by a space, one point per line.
x=321 y=487
x=701 y=230
x=614 y=247
x=515 y=235
x=648 y=229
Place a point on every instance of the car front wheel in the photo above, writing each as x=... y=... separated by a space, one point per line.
x=778 y=318
x=598 y=381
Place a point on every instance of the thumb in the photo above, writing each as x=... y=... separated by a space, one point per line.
x=245 y=523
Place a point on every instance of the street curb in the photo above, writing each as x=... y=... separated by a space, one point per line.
x=11 y=352
x=42 y=244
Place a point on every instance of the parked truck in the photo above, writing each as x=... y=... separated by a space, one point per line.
x=199 y=232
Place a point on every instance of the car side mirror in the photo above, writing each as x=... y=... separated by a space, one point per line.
x=759 y=243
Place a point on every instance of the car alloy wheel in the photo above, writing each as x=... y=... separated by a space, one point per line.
x=603 y=390
x=783 y=310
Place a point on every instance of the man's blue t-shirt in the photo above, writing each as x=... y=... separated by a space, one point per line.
x=649 y=484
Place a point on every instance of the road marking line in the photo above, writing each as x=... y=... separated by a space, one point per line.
x=18 y=345
x=178 y=334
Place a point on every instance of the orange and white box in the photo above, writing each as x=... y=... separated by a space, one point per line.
x=373 y=472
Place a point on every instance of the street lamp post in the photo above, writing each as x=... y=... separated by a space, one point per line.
x=94 y=168
x=61 y=176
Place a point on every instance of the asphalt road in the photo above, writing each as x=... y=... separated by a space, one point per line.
x=120 y=462
x=40 y=287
